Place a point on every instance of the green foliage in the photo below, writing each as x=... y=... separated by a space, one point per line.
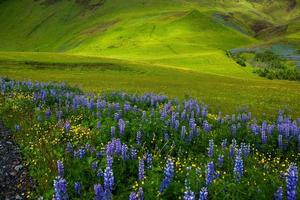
x=272 y=66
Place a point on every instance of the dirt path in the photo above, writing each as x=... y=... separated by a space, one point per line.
x=13 y=176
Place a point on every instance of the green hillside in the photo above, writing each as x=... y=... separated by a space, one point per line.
x=174 y=47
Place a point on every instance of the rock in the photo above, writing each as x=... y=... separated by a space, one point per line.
x=18 y=167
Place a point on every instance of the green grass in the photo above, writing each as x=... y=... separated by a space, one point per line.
x=220 y=92
x=174 y=47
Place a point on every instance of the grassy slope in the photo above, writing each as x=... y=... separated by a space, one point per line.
x=175 y=47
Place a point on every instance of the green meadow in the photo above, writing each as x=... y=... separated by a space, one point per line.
x=177 y=48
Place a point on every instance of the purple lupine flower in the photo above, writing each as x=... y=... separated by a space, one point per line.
x=59 y=115
x=206 y=126
x=17 y=127
x=191 y=135
x=99 y=173
x=121 y=126
x=279 y=141
x=82 y=153
x=189 y=194
x=133 y=153
x=69 y=148
x=77 y=188
x=124 y=152
x=140 y=194
x=224 y=144
x=264 y=138
x=203 y=194
x=210 y=171
x=94 y=166
x=99 y=192
x=108 y=179
x=132 y=196
x=109 y=161
x=48 y=113
x=60 y=189
x=138 y=138
x=60 y=168
x=118 y=147
x=220 y=160
x=292 y=182
x=183 y=132
x=233 y=129
x=168 y=175
x=67 y=126
x=176 y=125
x=166 y=136
x=112 y=131
x=211 y=148
x=233 y=142
x=149 y=160
x=219 y=119
x=141 y=173
x=144 y=116
x=238 y=166
x=299 y=141
x=278 y=194
x=116 y=116
x=98 y=125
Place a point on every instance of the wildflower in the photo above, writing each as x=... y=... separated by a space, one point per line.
x=99 y=173
x=233 y=129
x=220 y=160
x=183 y=132
x=292 y=182
x=264 y=137
x=60 y=189
x=48 y=113
x=149 y=160
x=166 y=136
x=18 y=128
x=82 y=153
x=224 y=144
x=203 y=194
x=168 y=175
x=210 y=171
x=60 y=168
x=206 y=126
x=132 y=196
x=138 y=138
x=99 y=192
x=122 y=126
x=211 y=148
x=94 y=165
x=189 y=194
x=141 y=170
x=108 y=179
x=98 y=125
x=133 y=153
x=140 y=194
x=67 y=126
x=279 y=141
x=69 y=148
x=77 y=188
x=109 y=161
x=124 y=152
x=278 y=194
x=238 y=166
x=112 y=131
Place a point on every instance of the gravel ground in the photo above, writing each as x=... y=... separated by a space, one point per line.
x=14 y=182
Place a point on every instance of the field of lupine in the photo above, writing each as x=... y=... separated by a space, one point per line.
x=120 y=146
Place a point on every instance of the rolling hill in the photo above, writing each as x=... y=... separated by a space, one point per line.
x=175 y=47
